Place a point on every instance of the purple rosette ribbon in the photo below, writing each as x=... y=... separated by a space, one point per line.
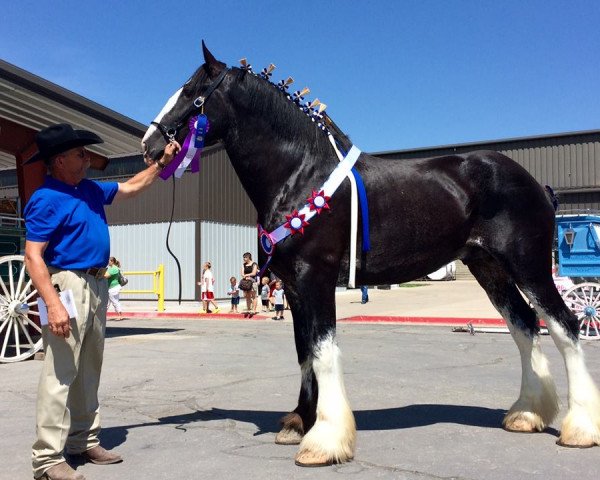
x=190 y=152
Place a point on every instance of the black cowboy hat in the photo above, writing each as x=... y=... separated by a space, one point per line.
x=59 y=138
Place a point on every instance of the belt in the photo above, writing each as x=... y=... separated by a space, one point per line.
x=95 y=272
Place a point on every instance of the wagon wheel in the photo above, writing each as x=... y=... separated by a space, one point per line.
x=20 y=335
x=584 y=302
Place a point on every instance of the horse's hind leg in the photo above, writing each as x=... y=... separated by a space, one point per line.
x=537 y=404
x=581 y=426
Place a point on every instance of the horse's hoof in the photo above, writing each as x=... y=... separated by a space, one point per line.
x=579 y=430
x=572 y=437
x=523 y=422
x=584 y=444
x=288 y=437
x=310 y=459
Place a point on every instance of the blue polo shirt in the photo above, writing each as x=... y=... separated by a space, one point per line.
x=72 y=221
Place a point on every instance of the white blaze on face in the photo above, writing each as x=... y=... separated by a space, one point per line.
x=166 y=109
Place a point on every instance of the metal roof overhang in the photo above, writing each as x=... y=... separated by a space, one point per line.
x=31 y=103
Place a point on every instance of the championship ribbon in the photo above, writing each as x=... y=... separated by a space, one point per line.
x=190 y=150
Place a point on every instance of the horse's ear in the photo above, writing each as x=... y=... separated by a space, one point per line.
x=212 y=65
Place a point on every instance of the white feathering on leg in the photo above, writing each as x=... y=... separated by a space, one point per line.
x=333 y=437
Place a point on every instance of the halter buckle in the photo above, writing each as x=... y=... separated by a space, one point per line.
x=171 y=132
x=199 y=102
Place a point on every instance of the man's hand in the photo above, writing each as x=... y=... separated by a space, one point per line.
x=59 y=322
x=58 y=318
x=171 y=150
x=144 y=179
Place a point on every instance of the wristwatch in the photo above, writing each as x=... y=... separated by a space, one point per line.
x=160 y=165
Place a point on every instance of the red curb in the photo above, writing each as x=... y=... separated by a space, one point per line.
x=187 y=316
x=490 y=322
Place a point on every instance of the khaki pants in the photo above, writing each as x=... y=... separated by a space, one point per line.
x=67 y=402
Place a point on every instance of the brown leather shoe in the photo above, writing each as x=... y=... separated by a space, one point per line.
x=61 y=471
x=101 y=456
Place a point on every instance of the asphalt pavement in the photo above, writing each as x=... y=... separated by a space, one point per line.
x=186 y=398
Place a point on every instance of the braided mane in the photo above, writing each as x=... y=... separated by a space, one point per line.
x=286 y=116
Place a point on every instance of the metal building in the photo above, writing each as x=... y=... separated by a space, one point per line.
x=568 y=162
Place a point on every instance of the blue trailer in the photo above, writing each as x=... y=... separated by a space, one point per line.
x=578 y=245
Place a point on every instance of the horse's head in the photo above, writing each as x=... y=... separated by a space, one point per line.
x=203 y=92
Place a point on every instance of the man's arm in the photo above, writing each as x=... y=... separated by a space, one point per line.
x=145 y=178
x=58 y=318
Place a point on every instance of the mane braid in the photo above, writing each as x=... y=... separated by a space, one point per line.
x=276 y=108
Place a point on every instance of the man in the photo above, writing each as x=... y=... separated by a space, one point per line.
x=67 y=247
x=364 y=290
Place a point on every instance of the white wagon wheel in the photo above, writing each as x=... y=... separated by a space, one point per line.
x=584 y=302
x=20 y=335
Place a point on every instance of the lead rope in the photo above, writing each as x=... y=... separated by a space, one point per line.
x=167 y=239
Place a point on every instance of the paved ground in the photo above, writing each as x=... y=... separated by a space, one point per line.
x=461 y=299
x=186 y=399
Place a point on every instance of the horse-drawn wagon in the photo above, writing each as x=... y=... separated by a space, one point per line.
x=20 y=332
x=578 y=238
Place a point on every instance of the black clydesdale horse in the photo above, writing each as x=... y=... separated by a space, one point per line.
x=480 y=207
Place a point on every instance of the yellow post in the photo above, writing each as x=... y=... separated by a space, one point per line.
x=158 y=285
x=161 y=288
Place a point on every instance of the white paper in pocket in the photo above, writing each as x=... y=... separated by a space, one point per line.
x=66 y=299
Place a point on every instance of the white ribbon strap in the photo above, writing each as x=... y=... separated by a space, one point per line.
x=336 y=178
x=353 y=212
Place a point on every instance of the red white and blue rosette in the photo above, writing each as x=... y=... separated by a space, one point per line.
x=318 y=201
x=266 y=242
x=295 y=222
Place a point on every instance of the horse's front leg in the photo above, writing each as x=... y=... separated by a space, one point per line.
x=323 y=419
x=295 y=424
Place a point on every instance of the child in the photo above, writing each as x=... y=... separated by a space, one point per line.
x=207 y=289
x=278 y=301
x=264 y=294
x=234 y=291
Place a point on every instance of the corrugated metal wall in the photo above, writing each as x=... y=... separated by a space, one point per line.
x=223 y=245
x=560 y=164
x=568 y=163
x=578 y=202
x=215 y=194
x=142 y=247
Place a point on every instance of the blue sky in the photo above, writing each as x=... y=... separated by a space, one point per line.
x=394 y=74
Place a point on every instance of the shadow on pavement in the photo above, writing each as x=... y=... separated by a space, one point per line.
x=410 y=416
x=125 y=331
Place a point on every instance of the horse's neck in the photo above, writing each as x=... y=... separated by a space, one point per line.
x=276 y=172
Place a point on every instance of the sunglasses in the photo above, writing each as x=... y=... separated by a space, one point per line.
x=83 y=153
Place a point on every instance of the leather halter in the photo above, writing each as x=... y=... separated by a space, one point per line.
x=170 y=132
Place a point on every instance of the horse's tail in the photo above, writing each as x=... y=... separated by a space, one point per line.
x=551 y=196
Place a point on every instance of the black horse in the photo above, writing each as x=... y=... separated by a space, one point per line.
x=480 y=207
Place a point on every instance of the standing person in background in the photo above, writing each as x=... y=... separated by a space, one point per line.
x=364 y=290
x=265 y=294
x=250 y=270
x=207 y=289
x=67 y=244
x=234 y=291
x=278 y=294
x=114 y=287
